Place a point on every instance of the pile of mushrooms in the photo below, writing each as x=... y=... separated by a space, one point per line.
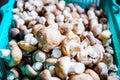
x=52 y=40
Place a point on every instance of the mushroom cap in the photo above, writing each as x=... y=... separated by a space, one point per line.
x=113 y=78
x=36 y=28
x=108 y=59
x=71 y=45
x=105 y=35
x=82 y=76
x=48 y=38
x=102 y=70
x=45 y=75
x=62 y=67
x=29 y=71
x=89 y=56
x=26 y=46
x=16 y=54
x=93 y=74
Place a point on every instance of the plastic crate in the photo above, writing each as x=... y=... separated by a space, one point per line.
x=6 y=15
x=110 y=7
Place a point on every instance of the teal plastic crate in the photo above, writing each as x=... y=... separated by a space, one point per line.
x=110 y=7
x=6 y=12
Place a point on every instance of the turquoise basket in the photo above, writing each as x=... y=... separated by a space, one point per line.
x=111 y=8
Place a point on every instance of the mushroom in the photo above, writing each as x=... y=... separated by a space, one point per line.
x=92 y=39
x=56 y=52
x=37 y=66
x=91 y=14
x=42 y=20
x=92 y=73
x=105 y=36
x=102 y=70
x=16 y=54
x=27 y=46
x=78 y=27
x=31 y=23
x=71 y=45
x=89 y=56
x=36 y=28
x=15 y=32
x=61 y=5
x=57 y=12
x=75 y=15
x=48 y=38
x=80 y=10
x=68 y=16
x=11 y=76
x=54 y=26
x=29 y=71
x=15 y=72
x=45 y=75
x=72 y=7
x=65 y=28
x=50 y=64
x=108 y=59
x=39 y=56
x=82 y=76
x=29 y=38
x=55 y=78
x=50 y=18
x=64 y=67
x=60 y=18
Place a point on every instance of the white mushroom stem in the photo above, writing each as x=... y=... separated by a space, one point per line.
x=39 y=56
x=56 y=53
x=37 y=66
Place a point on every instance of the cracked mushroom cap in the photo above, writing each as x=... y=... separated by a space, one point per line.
x=71 y=45
x=48 y=38
x=82 y=76
x=16 y=54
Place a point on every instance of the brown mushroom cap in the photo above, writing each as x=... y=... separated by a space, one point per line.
x=113 y=78
x=61 y=67
x=93 y=74
x=102 y=70
x=64 y=67
x=70 y=45
x=45 y=75
x=16 y=54
x=48 y=38
x=26 y=46
x=36 y=28
x=82 y=76
x=89 y=56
